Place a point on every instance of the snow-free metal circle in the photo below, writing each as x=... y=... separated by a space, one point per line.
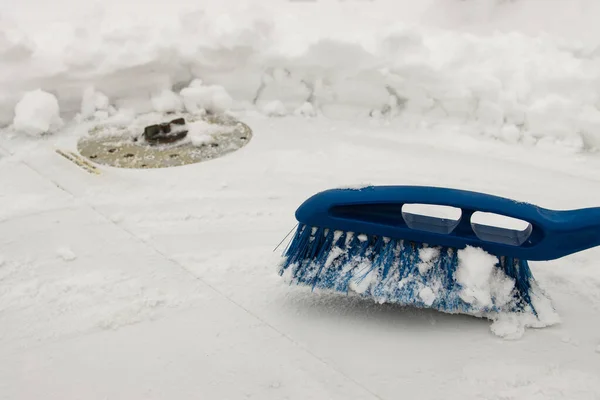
x=209 y=137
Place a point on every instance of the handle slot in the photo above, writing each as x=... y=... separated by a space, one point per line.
x=384 y=214
x=496 y=228
x=431 y=217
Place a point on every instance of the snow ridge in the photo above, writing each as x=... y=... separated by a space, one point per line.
x=514 y=85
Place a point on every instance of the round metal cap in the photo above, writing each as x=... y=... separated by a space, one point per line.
x=201 y=138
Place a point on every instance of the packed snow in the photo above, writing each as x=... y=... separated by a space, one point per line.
x=275 y=109
x=461 y=67
x=475 y=273
x=200 y=132
x=427 y=295
x=211 y=98
x=485 y=285
x=167 y=101
x=95 y=104
x=161 y=283
x=37 y=113
x=427 y=256
x=66 y=254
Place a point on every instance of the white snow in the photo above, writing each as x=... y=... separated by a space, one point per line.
x=358 y=186
x=170 y=288
x=306 y=110
x=66 y=253
x=37 y=113
x=335 y=253
x=566 y=339
x=511 y=326
x=475 y=272
x=198 y=97
x=427 y=255
x=167 y=101
x=95 y=104
x=487 y=286
x=508 y=326
x=288 y=275
x=427 y=295
x=147 y=240
x=480 y=73
x=200 y=132
x=275 y=109
x=364 y=279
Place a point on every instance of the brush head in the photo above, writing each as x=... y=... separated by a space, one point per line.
x=407 y=273
x=363 y=241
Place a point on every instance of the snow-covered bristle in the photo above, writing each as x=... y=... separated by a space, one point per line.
x=468 y=281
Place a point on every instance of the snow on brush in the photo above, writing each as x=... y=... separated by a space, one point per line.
x=484 y=285
x=480 y=287
x=481 y=281
x=427 y=255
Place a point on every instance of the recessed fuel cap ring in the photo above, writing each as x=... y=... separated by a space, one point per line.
x=168 y=140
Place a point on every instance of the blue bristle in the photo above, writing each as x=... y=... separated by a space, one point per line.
x=325 y=259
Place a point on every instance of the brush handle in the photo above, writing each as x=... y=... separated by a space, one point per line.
x=377 y=210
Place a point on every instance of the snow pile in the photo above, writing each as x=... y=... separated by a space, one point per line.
x=306 y=110
x=95 y=104
x=198 y=97
x=485 y=286
x=167 y=101
x=420 y=66
x=37 y=113
x=200 y=132
x=275 y=109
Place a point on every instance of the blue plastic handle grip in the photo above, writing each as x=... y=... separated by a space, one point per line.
x=377 y=210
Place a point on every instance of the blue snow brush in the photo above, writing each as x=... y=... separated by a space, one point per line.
x=362 y=241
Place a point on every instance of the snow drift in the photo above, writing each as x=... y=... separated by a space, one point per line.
x=482 y=67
